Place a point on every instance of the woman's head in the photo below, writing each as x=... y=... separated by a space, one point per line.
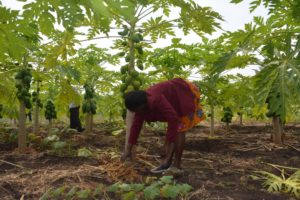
x=136 y=100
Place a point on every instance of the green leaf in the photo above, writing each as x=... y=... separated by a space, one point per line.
x=184 y=188
x=137 y=187
x=57 y=192
x=167 y=179
x=99 y=189
x=151 y=192
x=236 y=1
x=114 y=187
x=84 y=152
x=84 y=194
x=59 y=145
x=51 y=138
x=117 y=132
x=71 y=192
x=125 y=187
x=129 y=196
x=46 y=195
x=170 y=191
x=99 y=8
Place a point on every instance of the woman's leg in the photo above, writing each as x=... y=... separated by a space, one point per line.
x=179 y=146
x=170 y=146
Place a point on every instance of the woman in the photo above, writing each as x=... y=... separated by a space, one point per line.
x=176 y=102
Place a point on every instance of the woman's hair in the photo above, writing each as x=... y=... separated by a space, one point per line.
x=135 y=98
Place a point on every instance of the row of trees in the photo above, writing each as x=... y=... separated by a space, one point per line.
x=273 y=44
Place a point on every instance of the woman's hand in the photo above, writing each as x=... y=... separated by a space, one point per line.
x=125 y=156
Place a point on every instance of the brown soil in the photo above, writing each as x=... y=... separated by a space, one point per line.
x=217 y=168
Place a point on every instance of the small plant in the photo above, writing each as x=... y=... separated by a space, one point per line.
x=84 y=152
x=274 y=183
x=23 y=82
x=74 y=192
x=165 y=187
x=10 y=136
x=56 y=146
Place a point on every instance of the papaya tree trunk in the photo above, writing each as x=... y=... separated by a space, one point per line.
x=241 y=119
x=131 y=48
x=36 y=111
x=36 y=118
x=130 y=115
x=227 y=127
x=212 y=121
x=50 y=124
x=277 y=134
x=89 y=122
x=92 y=119
x=14 y=122
x=22 y=128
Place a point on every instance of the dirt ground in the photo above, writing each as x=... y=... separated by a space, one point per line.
x=218 y=168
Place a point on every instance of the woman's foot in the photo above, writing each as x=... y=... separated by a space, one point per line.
x=160 y=169
x=173 y=171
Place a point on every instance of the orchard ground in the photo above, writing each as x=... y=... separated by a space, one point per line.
x=217 y=168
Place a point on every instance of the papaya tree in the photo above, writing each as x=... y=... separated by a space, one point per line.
x=37 y=104
x=210 y=97
x=90 y=62
x=227 y=117
x=23 y=83
x=89 y=106
x=276 y=41
x=207 y=55
x=239 y=95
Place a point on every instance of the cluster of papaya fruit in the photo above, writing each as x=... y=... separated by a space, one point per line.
x=50 y=112
x=23 y=81
x=36 y=99
x=130 y=77
x=89 y=104
x=227 y=115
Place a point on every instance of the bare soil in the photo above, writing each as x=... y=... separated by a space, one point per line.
x=217 y=168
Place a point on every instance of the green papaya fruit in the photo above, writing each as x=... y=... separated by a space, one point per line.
x=121 y=53
x=127 y=58
x=140 y=50
x=124 y=69
x=124 y=43
x=123 y=88
x=136 y=84
x=133 y=73
x=135 y=38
